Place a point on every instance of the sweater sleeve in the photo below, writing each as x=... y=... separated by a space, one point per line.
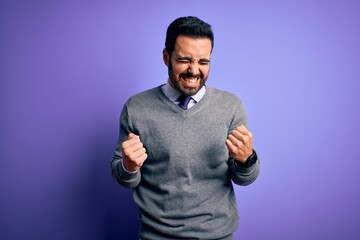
x=125 y=178
x=241 y=175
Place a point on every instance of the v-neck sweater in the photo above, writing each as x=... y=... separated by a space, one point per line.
x=184 y=188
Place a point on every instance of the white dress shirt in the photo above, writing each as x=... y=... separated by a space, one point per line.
x=174 y=94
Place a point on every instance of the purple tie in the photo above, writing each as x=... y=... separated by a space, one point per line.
x=184 y=101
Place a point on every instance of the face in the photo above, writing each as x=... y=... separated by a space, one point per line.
x=189 y=64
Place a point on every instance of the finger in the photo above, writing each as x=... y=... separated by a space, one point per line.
x=142 y=158
x=235 y=141
x=131 y=141
x=132 y=135
x=138 y=157
x=137 y=153
x=242 y=129
x=129 y=149
x=240 y=136
x=135 y=164
x=232 y=148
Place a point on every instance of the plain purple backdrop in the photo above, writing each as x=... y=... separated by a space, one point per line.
x=67 y=67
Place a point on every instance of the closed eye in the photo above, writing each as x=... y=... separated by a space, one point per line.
x=187 y=60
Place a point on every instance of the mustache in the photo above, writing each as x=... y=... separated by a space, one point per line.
x=189 y=75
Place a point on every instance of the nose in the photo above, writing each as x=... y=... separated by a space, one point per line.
x=194 y=68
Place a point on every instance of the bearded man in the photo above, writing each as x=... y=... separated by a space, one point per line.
x=183 y=144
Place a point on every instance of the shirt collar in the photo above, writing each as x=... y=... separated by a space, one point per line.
x=174 y=94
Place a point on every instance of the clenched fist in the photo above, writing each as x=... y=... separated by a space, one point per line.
x=134 y=153
x=239 y=144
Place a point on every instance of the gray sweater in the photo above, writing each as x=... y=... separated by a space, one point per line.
x=184 y=189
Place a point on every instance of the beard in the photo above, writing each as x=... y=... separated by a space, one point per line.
x=176 y=82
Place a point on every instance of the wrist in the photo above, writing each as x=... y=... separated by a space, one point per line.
x=126 y=169
x=250 y=161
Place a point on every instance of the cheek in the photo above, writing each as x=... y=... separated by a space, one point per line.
x=177 y=70
x=205 y=72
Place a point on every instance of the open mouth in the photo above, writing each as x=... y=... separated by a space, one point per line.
x=190 y=80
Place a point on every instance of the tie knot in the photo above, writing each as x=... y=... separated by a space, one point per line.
x=184 y=101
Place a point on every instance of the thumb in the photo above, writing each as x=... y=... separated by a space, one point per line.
x=132 y=135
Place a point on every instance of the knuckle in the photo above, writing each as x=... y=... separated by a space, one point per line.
x=125 y=152
x=123 y=145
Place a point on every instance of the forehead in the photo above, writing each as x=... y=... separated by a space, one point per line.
x=194 y=47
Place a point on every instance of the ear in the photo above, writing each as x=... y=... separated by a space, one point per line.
x=166 y=57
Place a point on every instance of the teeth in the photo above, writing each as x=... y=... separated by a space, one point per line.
x=191 y=80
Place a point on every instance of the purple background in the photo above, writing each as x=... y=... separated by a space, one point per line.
x=67 y=67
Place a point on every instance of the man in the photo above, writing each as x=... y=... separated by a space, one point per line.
x=183 y=143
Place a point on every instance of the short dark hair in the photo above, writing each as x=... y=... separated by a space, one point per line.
x=187 y=26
